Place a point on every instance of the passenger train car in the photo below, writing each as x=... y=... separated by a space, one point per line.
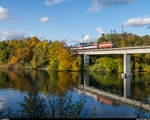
x=95 y=45
x=87 y=45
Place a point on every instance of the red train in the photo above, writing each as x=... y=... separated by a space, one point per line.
x=105 y=45
x=95 y=45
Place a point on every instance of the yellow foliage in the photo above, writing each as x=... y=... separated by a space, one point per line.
x=1 y=63
x=61 y=58
x=65 y=60
x=34 y=40
x=76 y=65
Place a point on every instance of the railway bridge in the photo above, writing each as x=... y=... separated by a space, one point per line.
x=125 y=51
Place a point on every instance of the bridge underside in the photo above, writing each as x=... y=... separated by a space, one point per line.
x=126 y=52
x=126 y=63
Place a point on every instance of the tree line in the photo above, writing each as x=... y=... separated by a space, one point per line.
x=125 y=39
x=56 y=55
x=33 y=52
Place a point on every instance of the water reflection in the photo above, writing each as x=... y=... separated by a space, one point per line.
x=51 y=94
x=57 y=100
x=48 y=82
x=56 y=83
x=86 y=79
x=127 y=85
x=33 y=106
x=136 y=87
x=109 y=82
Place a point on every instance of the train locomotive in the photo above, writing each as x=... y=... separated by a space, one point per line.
x=85 y=45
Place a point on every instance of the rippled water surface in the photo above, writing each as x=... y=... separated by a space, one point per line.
x=59 y=94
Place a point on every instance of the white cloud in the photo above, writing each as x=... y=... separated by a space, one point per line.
x=3 y=13
x=100 y=30
x=45 y=19
x=85 y=38
x=54 y=2
x=9 y=35
x=12 y=20
x=97 y=5
x=138 y=22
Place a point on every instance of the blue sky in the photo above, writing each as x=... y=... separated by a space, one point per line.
x=71 y=19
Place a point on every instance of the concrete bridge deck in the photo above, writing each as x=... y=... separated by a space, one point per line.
x=122 y=50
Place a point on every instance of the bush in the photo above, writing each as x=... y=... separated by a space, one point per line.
x=107 y=64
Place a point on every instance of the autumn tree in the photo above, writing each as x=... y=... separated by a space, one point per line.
x=54 y=49
x=65 y=60
x=40 y=56
x=61 y=57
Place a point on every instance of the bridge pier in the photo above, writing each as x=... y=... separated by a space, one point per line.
x=126 y=65
x=86 y=60
x=86 y=80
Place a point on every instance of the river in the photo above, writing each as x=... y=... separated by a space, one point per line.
x=35 y=94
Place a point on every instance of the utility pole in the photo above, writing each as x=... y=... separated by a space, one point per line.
x=122 y=35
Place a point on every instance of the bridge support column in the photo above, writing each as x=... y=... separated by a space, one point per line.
x=86 y=60
x=86 y=80
x=126 y=65
x=127 y=86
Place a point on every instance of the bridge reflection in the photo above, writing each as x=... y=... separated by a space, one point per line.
x=109 y=98
x=127 y=91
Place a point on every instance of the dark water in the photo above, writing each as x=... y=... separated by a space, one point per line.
x=43 y=94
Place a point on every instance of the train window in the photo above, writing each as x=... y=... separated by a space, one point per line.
x=83 y=44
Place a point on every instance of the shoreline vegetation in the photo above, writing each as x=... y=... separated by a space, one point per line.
x=35 y=54
x=31 y=53
x=21 y=67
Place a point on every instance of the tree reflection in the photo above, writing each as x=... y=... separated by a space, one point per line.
x=63 y=82
x=53 y=82
x=34 y=105
x=47 y=94
x=57 y=83
x=140 y=83
x=109 y=82
x=6 y=112
x=64 y=107
x=114 y=83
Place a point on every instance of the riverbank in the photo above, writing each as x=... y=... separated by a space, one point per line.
x=15 y=66
x=19 y=66
x=27 y=66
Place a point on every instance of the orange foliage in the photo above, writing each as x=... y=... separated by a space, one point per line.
x=18 y=51
x=16 y=79
x=13 y=60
